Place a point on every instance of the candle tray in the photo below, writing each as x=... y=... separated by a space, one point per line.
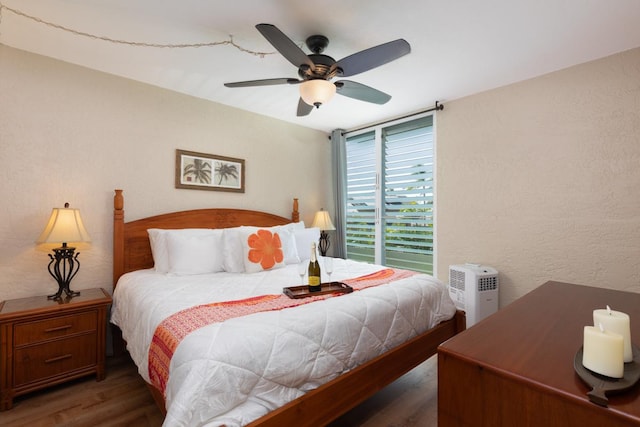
x=601 y=384
x=325 y=288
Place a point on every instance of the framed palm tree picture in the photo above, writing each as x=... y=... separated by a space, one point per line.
x=200 y=171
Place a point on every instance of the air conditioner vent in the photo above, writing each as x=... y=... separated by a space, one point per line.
x=487 y=283
x=457 y=279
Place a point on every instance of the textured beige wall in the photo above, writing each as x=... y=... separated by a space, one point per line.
x=68 y=134
x=541 y=179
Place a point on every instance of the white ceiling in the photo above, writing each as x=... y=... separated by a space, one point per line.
x=459 y=47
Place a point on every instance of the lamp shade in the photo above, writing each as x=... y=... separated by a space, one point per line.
x=317 y=92
x=322 y=220
x=65 y=225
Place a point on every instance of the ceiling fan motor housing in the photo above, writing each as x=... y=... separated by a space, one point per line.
x=323 y=63
x=322 y=69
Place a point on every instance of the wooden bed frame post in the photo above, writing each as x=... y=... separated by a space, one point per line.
x=118 y=344
x=295 y=215
x=118 y=236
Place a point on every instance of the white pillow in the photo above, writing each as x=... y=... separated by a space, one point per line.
x=159 y=249
x=289 y=246
x=294 y=226
x=304 y=239
x=233 y=245
x=262 y=249
x=195 y=254
x=291 y=255
x=233 y=255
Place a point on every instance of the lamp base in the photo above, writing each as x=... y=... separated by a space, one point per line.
x=63 y=267
x=68 y=292
x=323 y=244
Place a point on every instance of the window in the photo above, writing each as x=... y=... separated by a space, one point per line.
x=389 y=198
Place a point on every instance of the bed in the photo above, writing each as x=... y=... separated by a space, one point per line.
x=324 y=395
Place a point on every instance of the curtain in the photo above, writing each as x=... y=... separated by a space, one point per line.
x=339 y=166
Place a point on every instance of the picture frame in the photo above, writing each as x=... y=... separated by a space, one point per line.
x=201 y=171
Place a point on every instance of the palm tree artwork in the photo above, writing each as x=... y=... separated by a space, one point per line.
x=198 y=171
x=225 y=171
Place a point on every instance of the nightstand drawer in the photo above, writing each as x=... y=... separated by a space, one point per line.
x=42 y=330
x=46 y=360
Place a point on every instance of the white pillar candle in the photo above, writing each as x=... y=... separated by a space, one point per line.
x=602 y=352
x=618 y=322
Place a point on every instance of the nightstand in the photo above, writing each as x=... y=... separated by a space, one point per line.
x=45 y=342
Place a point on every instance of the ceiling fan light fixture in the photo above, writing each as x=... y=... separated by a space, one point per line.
x=317 y=92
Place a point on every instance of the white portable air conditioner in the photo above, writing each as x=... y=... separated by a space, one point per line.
x=474 y=289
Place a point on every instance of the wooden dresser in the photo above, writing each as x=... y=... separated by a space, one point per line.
x=45 y=342
x=515 y=368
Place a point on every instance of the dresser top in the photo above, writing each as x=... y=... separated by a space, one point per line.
x=40 y=304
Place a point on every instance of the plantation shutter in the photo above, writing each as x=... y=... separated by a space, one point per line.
x=390 y=195
x=407 y=210
x=361 y=197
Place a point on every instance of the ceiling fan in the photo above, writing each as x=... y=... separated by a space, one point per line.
x=316 y=70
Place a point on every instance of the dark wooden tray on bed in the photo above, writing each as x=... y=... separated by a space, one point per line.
x=325 y=288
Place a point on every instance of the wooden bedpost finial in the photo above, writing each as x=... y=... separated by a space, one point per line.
x=295 y=215
x=118 y=200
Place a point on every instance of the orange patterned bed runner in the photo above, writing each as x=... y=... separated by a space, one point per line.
x=174 y=328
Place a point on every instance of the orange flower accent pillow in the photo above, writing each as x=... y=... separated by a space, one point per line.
x=263 y=251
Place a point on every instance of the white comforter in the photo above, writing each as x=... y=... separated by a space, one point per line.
x=233 y=372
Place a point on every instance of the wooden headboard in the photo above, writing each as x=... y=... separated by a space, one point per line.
x=131 y=248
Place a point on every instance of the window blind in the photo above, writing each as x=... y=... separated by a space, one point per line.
x=390 y=195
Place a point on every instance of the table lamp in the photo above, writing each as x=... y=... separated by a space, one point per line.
x=322 y=220
x=65 y=225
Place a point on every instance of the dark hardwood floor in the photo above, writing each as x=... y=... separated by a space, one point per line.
x=122 y=399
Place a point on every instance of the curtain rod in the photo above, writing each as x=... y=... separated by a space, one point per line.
x=438 y=107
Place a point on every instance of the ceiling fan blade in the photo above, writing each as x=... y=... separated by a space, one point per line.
x=303 y=108
x=361 y=92
x=371 y=58
x=264 y=82
x=285 y=45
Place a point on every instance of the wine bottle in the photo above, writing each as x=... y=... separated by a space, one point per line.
x=314 y=271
